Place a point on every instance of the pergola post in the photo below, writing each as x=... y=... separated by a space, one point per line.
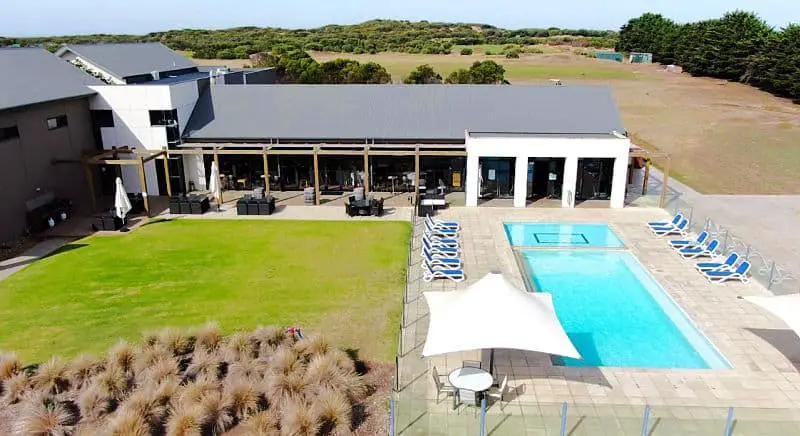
x=416 y=174
x=90 y=180
x=266 y=172
x=316 y=176
x=366 y=169
x=143 y=183
x=219 y=172
x=646 y=181
x=166 y=173
x=664 y=184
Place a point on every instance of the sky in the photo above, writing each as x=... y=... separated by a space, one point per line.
x=59 y=17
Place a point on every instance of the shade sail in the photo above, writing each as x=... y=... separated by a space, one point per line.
x=213 y=182
x=493 y=313
x=785 y=307
x=122 y=204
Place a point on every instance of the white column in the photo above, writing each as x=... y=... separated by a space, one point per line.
x=472 y=188
x=570 y=182
x=619 y=182
x=520 y=181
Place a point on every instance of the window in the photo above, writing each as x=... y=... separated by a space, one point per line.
x=57 y=122
x=164 y=118
x=102 y=118
x=10 y=132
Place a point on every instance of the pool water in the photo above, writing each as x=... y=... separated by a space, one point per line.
x=615 y=313
x=561 y=235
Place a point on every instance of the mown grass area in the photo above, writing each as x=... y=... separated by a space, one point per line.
x=340 y=279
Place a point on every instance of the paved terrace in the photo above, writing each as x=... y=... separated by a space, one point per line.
x=764 y=384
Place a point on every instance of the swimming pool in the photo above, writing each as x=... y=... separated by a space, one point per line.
x=561 y=235
x=612 y=309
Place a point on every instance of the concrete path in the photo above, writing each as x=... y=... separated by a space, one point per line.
x=40 y=250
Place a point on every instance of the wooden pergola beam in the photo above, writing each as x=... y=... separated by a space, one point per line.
x=143 y=183
x=646 y=181
x=266 y=170
x=366 y=169
x=416 y=175
x=316 y=176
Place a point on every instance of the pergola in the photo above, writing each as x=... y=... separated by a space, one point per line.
x=648 y=156
x=369 y=148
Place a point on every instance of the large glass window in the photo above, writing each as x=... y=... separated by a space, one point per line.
x=9 y=132
x=163 y=118
x=102 y=118
x=57 y=122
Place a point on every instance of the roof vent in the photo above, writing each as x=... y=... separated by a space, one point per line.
x=156 y=75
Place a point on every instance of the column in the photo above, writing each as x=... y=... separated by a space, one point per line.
x=570 y=181
x=472 y=187
x=520 y=181
x=619 y=182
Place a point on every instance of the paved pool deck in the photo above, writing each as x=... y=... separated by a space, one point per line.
x=763 y=384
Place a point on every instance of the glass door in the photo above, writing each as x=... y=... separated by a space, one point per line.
x=497 y=177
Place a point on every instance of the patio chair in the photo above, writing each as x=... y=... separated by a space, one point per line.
x=675 y=220
x=438 y=251
x=472 y=364
x=680 y=229
x=442 y=386
x=446 y=225
x=441 y=242
x=429 y=273
x=682 y=243
x=441 y=262
x=500 y=393
x=440 y=232
x=699 y=251
x=468 y=397
x=718 y=266
x=740 y=274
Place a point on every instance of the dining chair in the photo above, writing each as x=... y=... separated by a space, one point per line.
x=468 y=398
x=442 y=386
x=472 y=364
x=500 y=393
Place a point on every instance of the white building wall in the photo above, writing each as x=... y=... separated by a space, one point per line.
x=183 y=97
x=195 y=171
x=525 y=147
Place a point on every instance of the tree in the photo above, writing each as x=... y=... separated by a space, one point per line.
x=777 y=68
x=423 y=75
x=466 y=51
x=481 y=72
x=650 y=33
x=512 y=53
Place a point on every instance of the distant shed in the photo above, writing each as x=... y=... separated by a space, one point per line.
x=609 y=56
x=641 y=58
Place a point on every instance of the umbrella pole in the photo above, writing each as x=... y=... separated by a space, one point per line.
x=491 y=362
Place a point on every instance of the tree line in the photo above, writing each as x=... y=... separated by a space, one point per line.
x=479 y=73
x=739 y=46
x=368 y=37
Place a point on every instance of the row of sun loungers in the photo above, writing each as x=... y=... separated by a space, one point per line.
x=715 y=269
x=440 y=251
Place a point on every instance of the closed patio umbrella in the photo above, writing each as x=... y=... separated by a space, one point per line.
x=214 y=185
x=785 y=307
x=122 y=204
x=493 y=313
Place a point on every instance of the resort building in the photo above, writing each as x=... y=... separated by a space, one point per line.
x=164 y=120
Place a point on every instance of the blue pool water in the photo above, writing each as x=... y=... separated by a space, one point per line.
x=615 y=313
x=561 y=235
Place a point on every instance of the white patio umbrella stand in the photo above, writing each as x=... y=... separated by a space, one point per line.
x=214 y=185
x=493 y=313
x=122 y=204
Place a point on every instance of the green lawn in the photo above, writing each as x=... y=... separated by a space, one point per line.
x=341 y=279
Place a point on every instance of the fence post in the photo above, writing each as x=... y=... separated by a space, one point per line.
x=392 y=412
x=482 y=429
x=725 y=241
x=729 y=422
x=564 y=419
x=646 y=420
x=708 y=224
x=771 y=275
x=747 y=253
x=689 y=223
x=396 y=378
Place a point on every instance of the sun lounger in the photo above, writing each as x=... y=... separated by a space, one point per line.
x=680 y=229
x=739 y=274
x=718 y=266
x=438 y=224
x=439 y=261
x=675 y=220
x=438 y=251
x=699 y=251
x=441 y=242
x=440 y=232
x=429 y=273
x=682 y=243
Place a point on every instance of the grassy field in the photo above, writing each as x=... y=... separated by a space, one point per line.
x=335 y=278
x=724 y=138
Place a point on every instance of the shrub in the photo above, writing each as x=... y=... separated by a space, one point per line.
x=204 y=363
x=184 y=421
x=123 y=355
x=94 y=403
x=269 y=338
x=512 y=54
x=311 y=346
x=262 y=424
x=161 y=370
x=285 y=388
x=10 y=365
x=252 y=369
x=14 y=388
x=490 y=53
x=145 y=404
x=82 y=369
x=215 y=412
x=243 y=399
x=177 y=342
x=114 y=382
x=51 y=376
x=128 y=423
x=297 y=420
x=39 y=419
x=285 y=361
x=193 y=392
x=208 y=337
x=466 y=51
x=333 y=412
x=149 y=355
x=239 y=346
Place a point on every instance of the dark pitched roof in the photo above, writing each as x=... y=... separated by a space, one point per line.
x=132 y=59
x=399 y=112
x=33 y=75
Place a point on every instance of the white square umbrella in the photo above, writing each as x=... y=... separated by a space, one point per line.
x=122 y=204
x=785 y=307
x=493 y=313
x=213 y=184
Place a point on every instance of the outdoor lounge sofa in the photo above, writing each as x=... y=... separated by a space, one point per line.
x=684 y=243
x=441 y=262
x=699 y=251
x=679 y=229
x=675 y=220
x=719 y=266
x=740 y=274
x=429 y=273
x=249 y=205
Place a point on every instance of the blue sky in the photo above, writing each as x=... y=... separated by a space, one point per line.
x=55 y=17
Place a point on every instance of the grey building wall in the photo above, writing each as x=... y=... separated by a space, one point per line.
x=263 y=77
x=26 y=162
x=236 y=78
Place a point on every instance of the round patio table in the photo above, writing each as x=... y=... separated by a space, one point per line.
x=474 y=379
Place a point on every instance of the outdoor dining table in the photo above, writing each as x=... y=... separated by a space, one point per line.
x=474 y=379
